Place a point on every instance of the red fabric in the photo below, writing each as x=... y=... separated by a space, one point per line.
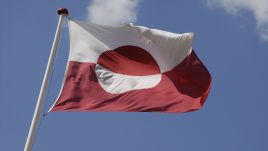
x=129 y=60
x=182 y=89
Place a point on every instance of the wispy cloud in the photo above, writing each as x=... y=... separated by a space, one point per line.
x=258 y=7
x=112 y=12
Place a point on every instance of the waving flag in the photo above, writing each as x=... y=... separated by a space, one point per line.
x=131 y=69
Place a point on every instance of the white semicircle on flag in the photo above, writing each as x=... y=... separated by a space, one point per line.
x=116 y=83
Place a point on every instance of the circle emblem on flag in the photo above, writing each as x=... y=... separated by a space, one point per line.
x=127 y=68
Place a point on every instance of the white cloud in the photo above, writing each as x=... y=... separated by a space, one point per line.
x=258 y=7
x=112 y=12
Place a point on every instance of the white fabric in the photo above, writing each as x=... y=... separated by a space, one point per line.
x=118 y=83
x=88 y=41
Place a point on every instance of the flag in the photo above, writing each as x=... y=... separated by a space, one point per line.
x=131 y=68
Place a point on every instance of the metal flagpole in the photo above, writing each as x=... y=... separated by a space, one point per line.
x=30 y=139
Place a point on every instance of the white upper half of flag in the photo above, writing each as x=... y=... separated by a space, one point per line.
x=88 y=41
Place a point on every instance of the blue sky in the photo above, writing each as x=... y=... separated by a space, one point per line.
x=233 y=118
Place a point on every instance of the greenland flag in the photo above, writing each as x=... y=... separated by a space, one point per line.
x=131 y=69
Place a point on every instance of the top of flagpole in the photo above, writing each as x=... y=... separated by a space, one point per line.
x=63 y=11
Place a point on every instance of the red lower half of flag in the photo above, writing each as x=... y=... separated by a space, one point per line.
x=182 y=89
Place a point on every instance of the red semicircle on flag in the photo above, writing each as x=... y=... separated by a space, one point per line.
x=129 y=60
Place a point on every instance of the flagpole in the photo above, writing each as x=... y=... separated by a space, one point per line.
x=30 y=139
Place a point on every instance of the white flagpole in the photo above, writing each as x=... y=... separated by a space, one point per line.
x=30 y=139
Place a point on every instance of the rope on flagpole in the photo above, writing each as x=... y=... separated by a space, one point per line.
x=43 y=117
x=38 y=109
x=45 y=112
x=39 y=126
